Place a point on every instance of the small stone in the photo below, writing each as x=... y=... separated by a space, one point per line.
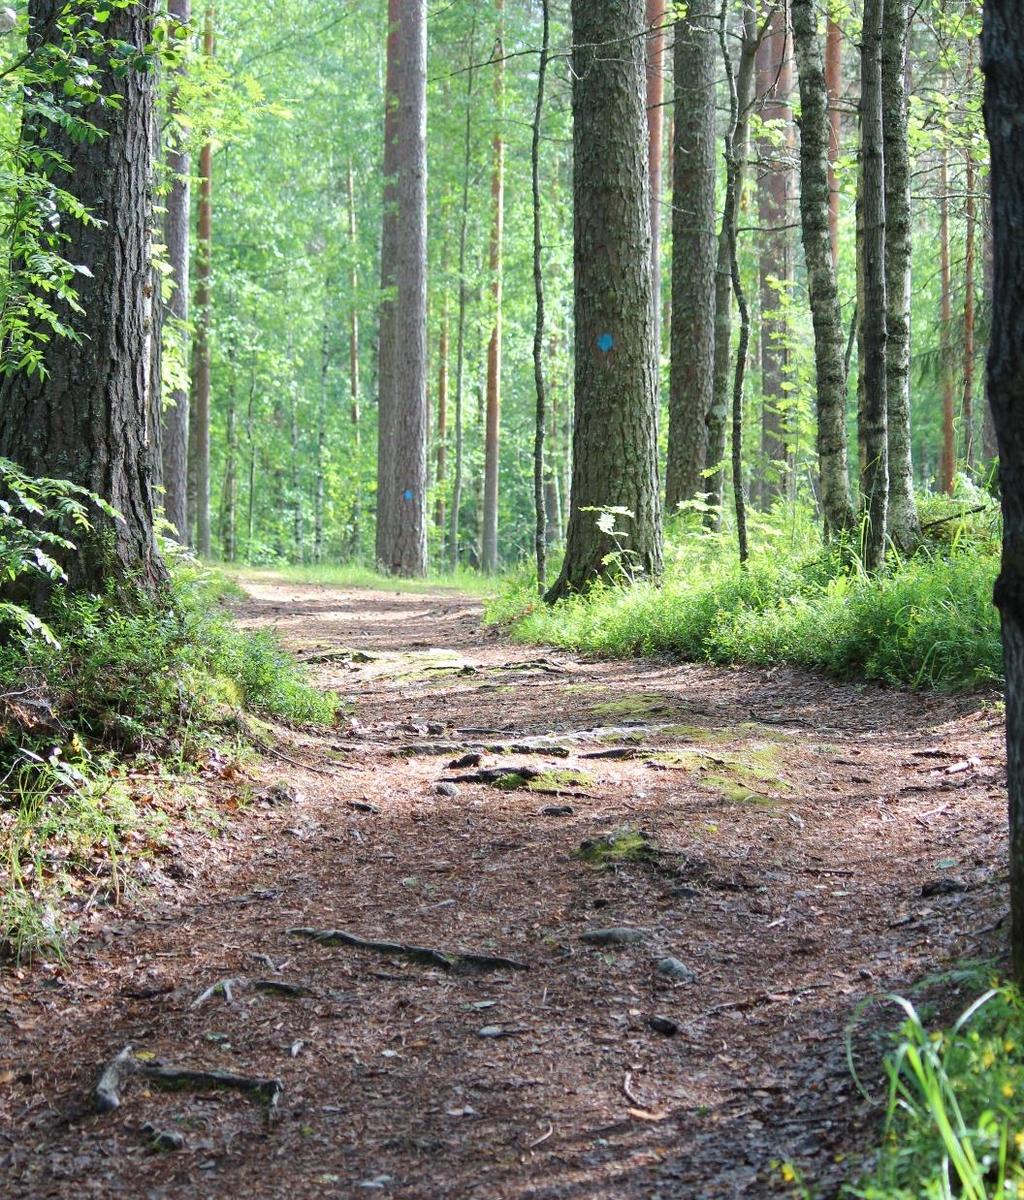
x=683 y=893
x=663 y=1025
x=435 y=728
x=619 y=936
x=168 y=1139
x=557 y=810
x=943 y=887
x=280 y=794
x=672 y=968
x=467 y=760
x=446 y=789
x=491 y=1031
x=363 y=806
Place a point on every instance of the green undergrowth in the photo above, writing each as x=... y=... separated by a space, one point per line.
x=954 y=1107
x=927 y=622
x=354 y=575
x=158 y=691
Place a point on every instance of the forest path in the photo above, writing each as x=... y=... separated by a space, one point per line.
x=788 y=826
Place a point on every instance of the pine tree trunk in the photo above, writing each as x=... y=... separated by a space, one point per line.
x=402 y=377
x=774 y=84
x=947 y=468
x=200 y=414
x=492 y=434
x=229 y=486
x=443 y=351
x=615 y=446
x=85 y=416
x=177 y=231
x=354 y=392
x=320 y=463
x=542 y=494
x=903 y=525
x=834 y=86
x=460 y=324
x=875 y=472
x=656 y=23
x=829 y=337
x=1003 y=64
x=694 y=254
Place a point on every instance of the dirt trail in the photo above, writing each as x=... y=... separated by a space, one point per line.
x=788 y=826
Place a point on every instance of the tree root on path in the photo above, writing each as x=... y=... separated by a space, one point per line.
x=111 y=1083
x=423 y=955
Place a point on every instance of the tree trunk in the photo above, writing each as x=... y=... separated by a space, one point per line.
x=834 y=86
x=320 y=463
x=443 y=351
x=489 y=538
x=969 y=346
x=460 y=327
x=229 y=485
x=201 y=347
x=542 y=498
x=903 y=525
x=402 y=376
x=694 y=254
x=656 y=23
x=723 y=380
x=177 y=230
x=875 y=473
x=84 y=416
x=947 y=467
x=354 y=392
x=774 y=85
x=615 y=446
x=1003 y=64
x=829 y=337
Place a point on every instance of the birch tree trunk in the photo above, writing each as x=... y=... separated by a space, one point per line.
x=903 y=525
x=615 y=456
x=834 y=85
x=829 y=338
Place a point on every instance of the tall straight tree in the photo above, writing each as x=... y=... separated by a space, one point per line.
x=774 y=85
x=615 y=442
x=874 y=406
x=829 y=337
x=1003 y=64
x=199 y=450
x=84 y=416
x=947 y=459
x=402 y=370
x=694 y=252
x=489 y=540
x=904 y=529
x=834 y=84
x=177 y=229
x=655 y=140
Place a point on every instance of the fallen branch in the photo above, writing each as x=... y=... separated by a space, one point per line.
x=223 y=986
x=423 y=955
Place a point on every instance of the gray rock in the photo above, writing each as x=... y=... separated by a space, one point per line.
x=663 y=1025
x=672 y=968
x=446 y=789
x=621 y=936
x=169 y=1139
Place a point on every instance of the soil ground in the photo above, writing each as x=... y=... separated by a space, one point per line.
x=799 y=846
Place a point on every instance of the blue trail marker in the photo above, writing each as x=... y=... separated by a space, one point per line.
x=605 y=342
x=408 y=494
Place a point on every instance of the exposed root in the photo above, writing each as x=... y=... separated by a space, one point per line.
x=109 y=1088
x=423 y=955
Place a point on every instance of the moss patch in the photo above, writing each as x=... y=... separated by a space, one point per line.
x=637 y=704
x=622 y=846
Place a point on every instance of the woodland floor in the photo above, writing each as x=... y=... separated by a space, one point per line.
x=797 y=823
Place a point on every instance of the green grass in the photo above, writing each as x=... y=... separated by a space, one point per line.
x=954 y=1124
x=929 y=622
x=158 y=686
x=354 y=575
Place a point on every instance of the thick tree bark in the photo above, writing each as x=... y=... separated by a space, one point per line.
x=200 y=414
x=774 y=85
x=1003 y=65
x=947 y=460
x=874 y=413
x=177 y=231
x=492 y=435
x=402 y=377
x=829 y=336
x=834 y=85
x=694 y=253
x=615 y=444
x=656 y=43
x=86 y=418
x=903 y=526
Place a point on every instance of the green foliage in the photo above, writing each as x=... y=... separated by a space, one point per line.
x=35 y=518
x=929 y=622
x=954 y=1113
